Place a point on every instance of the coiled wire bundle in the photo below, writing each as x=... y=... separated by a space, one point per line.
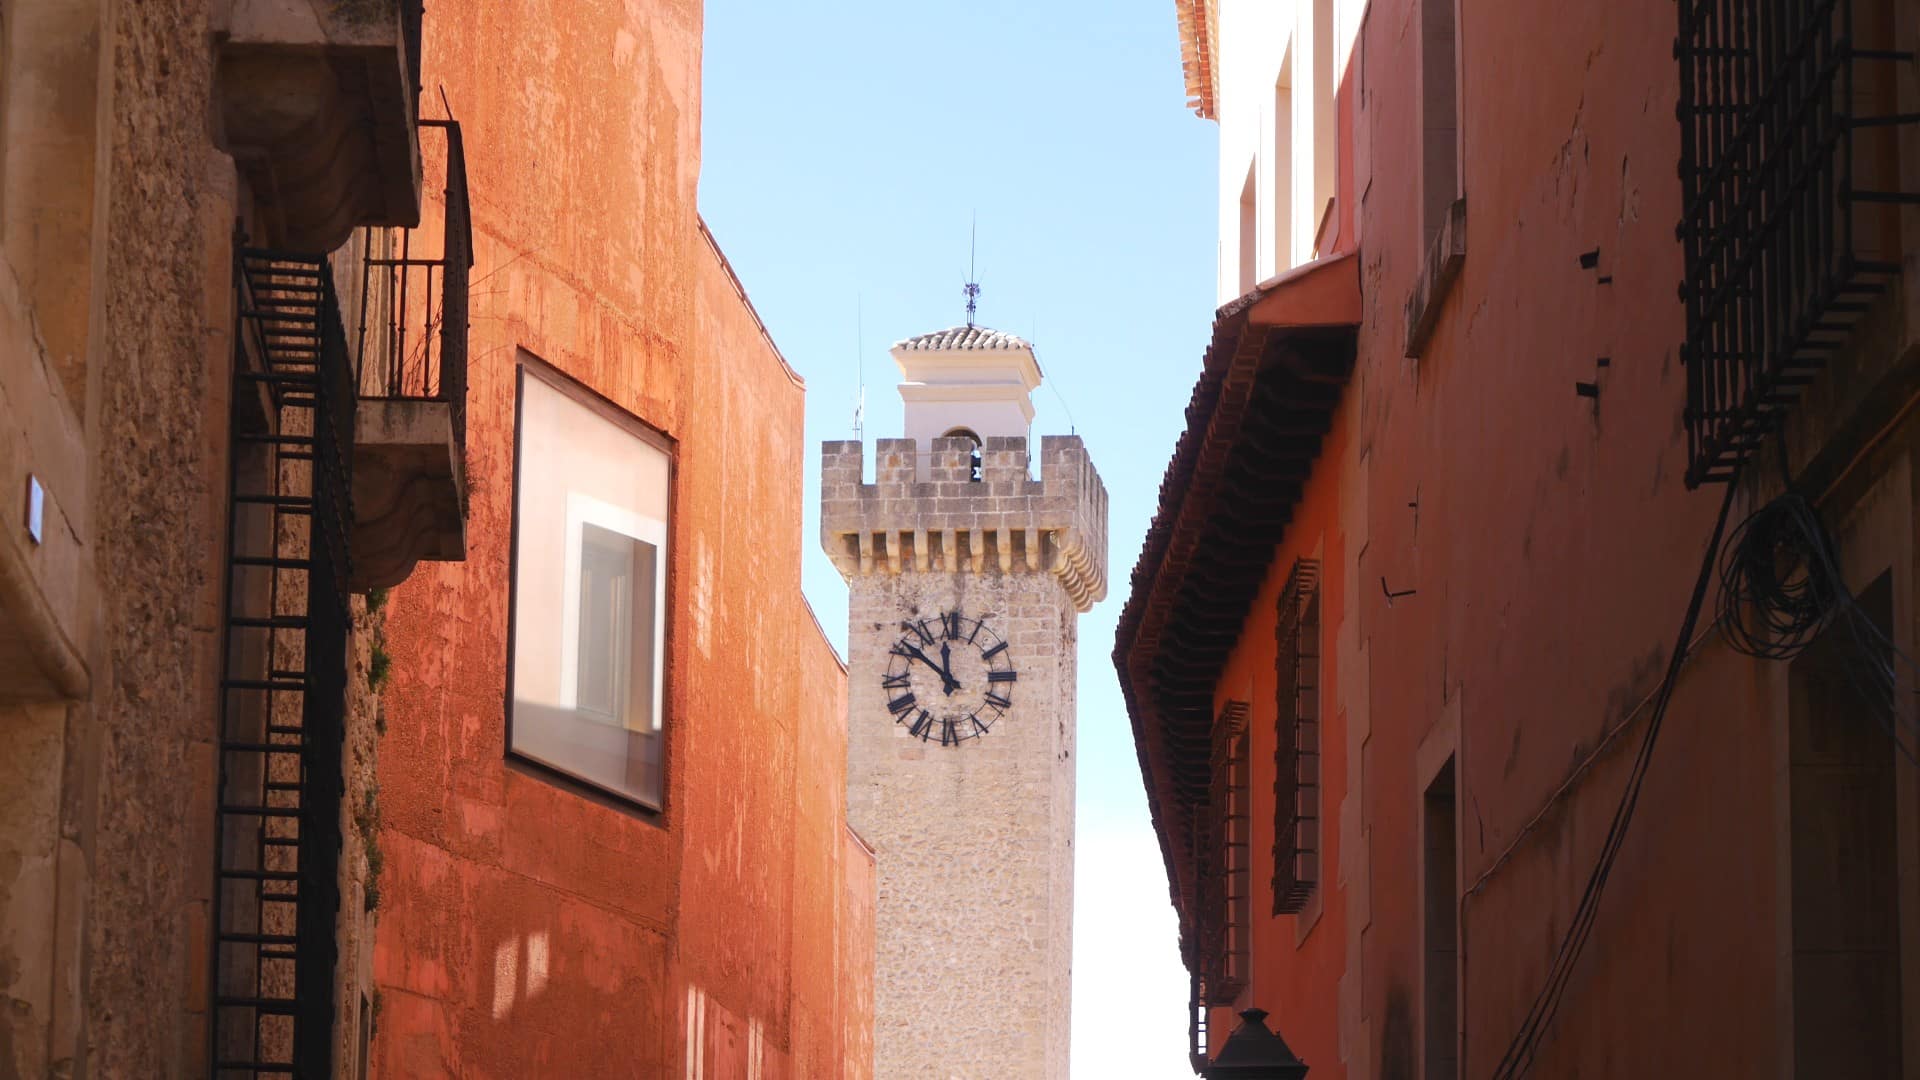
x=1781 y=589
x=1779 y=580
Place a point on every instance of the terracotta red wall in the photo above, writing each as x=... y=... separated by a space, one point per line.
x=856 y=960
x=1553 y=546
x=527 y=929
x=1295 y=958
x=1550 y=545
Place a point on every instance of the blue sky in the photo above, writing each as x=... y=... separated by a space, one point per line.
x=847 y=147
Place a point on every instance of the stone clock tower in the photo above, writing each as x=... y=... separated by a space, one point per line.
x=966 y=580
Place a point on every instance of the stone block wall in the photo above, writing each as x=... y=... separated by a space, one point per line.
x=117 y=225
x=951 y=522
x=973 y=843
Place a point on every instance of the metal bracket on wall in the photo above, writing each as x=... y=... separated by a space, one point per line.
x=1391 y=594
x=1590 y=260
x=1592 y=389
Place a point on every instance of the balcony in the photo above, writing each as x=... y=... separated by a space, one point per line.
x=317 y=100
x=409 y=467
x=1789 y=165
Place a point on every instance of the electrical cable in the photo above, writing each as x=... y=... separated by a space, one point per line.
x=1774 y=594
x=1781 y=588
x=1519 y=1055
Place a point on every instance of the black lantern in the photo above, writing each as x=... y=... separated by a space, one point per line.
x=1253 y=1052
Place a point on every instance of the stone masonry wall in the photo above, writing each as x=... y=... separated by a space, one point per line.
x=1006 y=519
x=117 y=219
x=157 y=420
x=973 y=843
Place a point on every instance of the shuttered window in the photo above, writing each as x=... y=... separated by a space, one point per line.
x=1296 y=785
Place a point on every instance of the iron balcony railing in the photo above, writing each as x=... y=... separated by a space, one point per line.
x=1790 y=180
x=413 y=300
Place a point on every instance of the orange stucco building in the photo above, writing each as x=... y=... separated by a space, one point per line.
x=613 y=845
x=1418 y=588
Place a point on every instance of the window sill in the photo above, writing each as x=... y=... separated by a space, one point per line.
x=1444 y=259
x=1307 y=917
x=1328 y=233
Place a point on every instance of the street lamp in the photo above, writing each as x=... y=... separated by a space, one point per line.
x=1253 y=1052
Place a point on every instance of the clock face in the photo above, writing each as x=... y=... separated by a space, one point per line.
x=949 y=678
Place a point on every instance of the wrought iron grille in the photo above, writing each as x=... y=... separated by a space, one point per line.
x=1790 y=182
x=414 y=299
x=1296 y=755
x=283 y=677
x=1197 y=1034
x=1224 y=857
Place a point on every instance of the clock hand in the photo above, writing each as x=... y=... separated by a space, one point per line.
x=946 y=680
x=946 y=669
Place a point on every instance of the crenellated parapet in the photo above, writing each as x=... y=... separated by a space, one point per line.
x=1004 y=522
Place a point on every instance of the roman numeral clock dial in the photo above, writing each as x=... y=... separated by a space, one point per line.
x=949 y=678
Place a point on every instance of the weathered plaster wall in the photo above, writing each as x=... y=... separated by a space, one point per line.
x=1552 y=545
x=529 y=928
x=1296 y=959
x=856 y=959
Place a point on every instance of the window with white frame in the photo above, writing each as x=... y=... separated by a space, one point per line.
x=1282 y=225
x=592 y=504
x=1326 y=145
x=1249 y=274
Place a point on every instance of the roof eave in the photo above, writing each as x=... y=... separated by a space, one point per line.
x=1302 y=305
x=1199 y=44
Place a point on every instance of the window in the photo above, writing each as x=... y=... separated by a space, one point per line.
x=1249 y=233
x=588 y=622
x=1225 y=864
x=971 y=436
x=1325 y=132
x=1283 y=178
x=1791 y=195
x=1439 y=118
x=1443 y=205
x=1845 y=858
x=1296 y=755
x=1439 y=885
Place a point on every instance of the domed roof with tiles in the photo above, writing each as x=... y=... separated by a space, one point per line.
x=964 y=337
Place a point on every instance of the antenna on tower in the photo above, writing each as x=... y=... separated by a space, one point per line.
x=860 y=367
x=973 y=280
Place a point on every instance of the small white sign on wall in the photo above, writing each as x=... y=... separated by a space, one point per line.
x=36 y=508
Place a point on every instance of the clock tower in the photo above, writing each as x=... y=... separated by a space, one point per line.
x=966 y=578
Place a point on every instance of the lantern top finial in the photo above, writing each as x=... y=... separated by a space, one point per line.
x=1255 y=1052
